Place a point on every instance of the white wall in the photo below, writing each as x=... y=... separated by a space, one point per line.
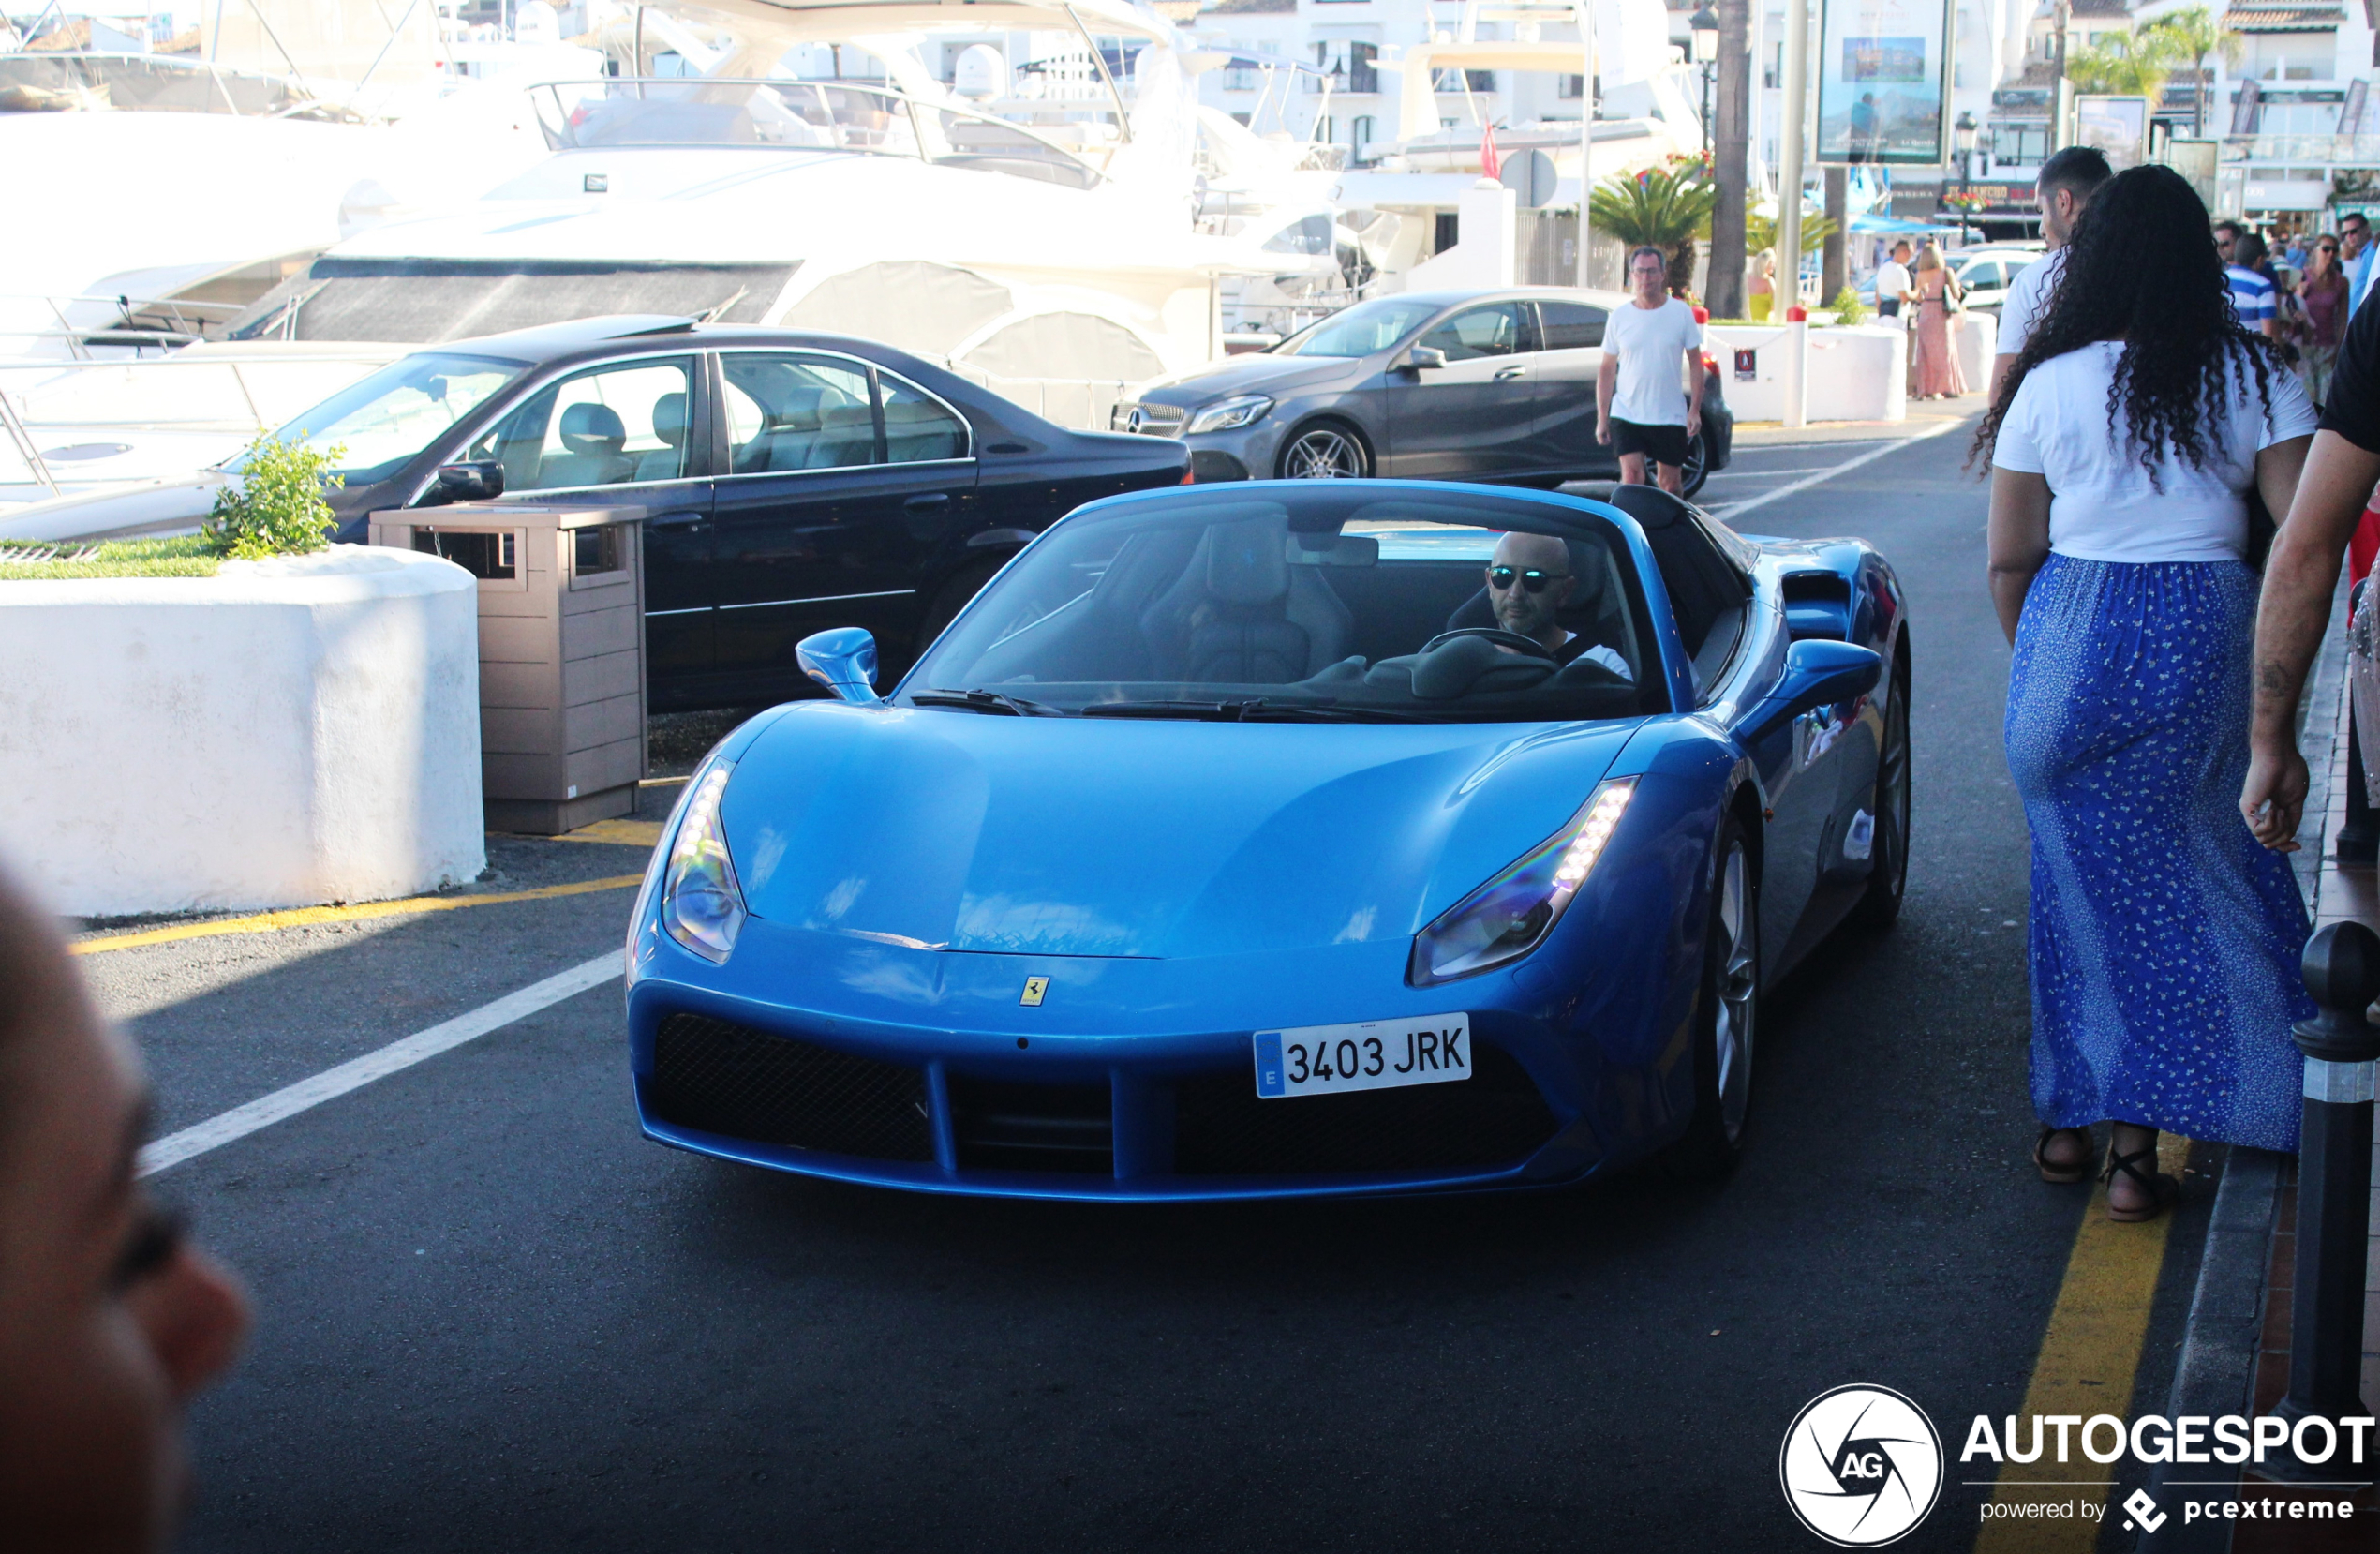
x=289 y=732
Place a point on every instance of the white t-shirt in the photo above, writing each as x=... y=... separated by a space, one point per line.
x=1650 y=344
x=2101 y=507
x=1891 y=281
x=2027 y=300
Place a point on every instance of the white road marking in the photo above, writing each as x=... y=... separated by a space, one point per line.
x=1765 y=474
x=397 y=1055
x=1734 y=510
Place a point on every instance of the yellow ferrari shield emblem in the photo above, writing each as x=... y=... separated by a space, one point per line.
x=1034 y=988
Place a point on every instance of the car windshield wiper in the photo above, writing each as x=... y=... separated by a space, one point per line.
x=991 y=702
x=1251 y=710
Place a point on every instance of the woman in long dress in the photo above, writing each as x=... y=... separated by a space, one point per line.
x=1935 y=373
x=2322 y=298
x=2165 y=940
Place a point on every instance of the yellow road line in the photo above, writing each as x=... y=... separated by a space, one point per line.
x=308 y=916
x=624 y=833
x=2089 y=1356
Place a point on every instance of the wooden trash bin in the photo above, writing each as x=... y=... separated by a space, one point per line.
x=561 y=613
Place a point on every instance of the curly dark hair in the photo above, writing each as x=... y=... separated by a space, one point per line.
x=2142 y=269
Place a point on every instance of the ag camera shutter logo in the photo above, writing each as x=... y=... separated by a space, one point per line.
x=1861 y=1466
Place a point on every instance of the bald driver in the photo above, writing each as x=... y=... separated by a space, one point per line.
x=1529 y=581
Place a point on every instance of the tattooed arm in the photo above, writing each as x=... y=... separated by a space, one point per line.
x=2295 y=610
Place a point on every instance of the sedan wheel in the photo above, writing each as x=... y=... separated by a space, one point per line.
x=1697 y=467
x=1323 y=453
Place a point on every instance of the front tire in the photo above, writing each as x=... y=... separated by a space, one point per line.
x=1888 y=880
x=1726 y=1016
x=1324 y=451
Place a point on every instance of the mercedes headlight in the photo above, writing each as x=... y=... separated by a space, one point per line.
x=1511 y=914
x=1229 y=416
x=702 y=906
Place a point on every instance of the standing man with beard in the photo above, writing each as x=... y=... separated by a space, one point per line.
x=1651 y=345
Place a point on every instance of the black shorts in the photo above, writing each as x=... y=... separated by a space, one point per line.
x=1662 y=443
x=1888 y=308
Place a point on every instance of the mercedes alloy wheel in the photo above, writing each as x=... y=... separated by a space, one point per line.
x=1324 y=452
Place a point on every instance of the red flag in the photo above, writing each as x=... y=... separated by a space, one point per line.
x=1491 y=165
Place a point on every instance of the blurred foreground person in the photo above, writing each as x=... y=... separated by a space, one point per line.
x=109 y=1320
x=2165 y=943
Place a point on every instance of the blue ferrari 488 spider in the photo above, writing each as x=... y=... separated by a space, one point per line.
x=1275 y=839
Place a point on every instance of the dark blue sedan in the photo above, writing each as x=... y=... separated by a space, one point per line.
x=1286 y=838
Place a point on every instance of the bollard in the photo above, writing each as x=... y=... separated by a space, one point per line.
x=2342 y=970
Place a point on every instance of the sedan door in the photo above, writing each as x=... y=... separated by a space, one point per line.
x=841 y=483
x=1477 y=415
x=630 y=434
x=1573 y=356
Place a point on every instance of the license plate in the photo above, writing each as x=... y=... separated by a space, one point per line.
x=1370 y=1055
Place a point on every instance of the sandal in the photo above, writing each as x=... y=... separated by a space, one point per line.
x=2163 y=1190
x=2061 y=1175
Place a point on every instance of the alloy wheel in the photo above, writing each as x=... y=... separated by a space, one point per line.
x=1889 y=878
x=1322 y=453
x=1737 y=992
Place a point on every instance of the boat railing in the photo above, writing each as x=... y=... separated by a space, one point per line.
x=827 y=115
x=178 y=393
x=140 y=323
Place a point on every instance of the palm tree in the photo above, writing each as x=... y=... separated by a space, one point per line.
x=2135 y=63
x=1661 y=208
x=1759 y=231
x=2193 y=34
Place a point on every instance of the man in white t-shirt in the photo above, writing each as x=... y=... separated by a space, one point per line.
x=1651 y=347
x=1893 y=285
x=2063 y=188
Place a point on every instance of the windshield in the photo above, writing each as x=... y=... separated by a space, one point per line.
x=1360 y=330
x=386 y=419
x=1330 y=604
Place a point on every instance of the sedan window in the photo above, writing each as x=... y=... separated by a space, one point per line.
x=797 y=411
x=1359 y=331
x=610 y=426
x=383 y=421
x=1571 y=325
x=1497 y=329
x=919 y=428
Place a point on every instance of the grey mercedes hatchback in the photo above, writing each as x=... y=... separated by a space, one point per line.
x=1433 y=386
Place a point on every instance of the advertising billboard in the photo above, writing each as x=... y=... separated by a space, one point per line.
x=1883 y=82
x=2118 y=126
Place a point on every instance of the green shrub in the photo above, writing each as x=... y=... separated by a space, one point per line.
x=277 y=508
x=1846 y=306
x=191 y=556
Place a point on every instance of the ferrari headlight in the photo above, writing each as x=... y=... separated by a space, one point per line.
x=1229 y=416
x=702 y=906
x=1511 y=914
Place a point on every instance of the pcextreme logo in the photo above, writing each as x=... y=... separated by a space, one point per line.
x=1861 y=1466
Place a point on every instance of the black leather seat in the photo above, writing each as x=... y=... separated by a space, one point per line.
x=1705 y=587
x=1242 y=615
x=594 y=440
x=668 y=462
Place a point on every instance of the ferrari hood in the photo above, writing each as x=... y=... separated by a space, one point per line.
x=1110 y=837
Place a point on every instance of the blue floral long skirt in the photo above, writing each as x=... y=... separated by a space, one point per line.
x=2165 y=940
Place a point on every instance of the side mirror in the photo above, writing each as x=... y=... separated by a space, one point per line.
x=1818 y=673
x=1422 y=357
x=844 y=661
x=473 y=480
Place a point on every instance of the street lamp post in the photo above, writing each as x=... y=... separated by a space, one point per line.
x=1704 y=27
x=1962 y=135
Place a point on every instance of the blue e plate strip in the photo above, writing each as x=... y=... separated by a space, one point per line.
x=1268 y=1084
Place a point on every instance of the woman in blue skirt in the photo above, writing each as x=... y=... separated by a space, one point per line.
x=2124 y=446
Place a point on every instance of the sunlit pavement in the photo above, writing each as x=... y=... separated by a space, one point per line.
x=492 y=1317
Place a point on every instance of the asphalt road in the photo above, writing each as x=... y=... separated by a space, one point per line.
x=492 y=1318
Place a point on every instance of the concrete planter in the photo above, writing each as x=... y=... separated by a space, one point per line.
x=287 y=732
x=1855 y=374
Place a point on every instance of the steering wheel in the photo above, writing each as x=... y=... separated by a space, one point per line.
x=1497 y=635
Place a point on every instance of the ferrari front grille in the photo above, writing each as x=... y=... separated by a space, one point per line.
x=728 y=1078
x=1496 y=1117
x=1012 y=1126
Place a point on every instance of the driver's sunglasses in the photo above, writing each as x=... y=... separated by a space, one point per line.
x=1501 y=577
